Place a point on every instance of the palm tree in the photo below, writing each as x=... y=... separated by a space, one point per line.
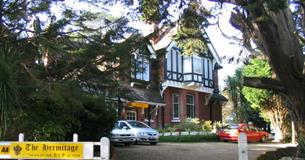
x=233 y=90
x=8 y=86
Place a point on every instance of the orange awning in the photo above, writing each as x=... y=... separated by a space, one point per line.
x=138 y=104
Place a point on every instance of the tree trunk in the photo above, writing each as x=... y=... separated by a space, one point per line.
x=276 y=36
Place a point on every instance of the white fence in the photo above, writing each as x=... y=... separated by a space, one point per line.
x=54 y=150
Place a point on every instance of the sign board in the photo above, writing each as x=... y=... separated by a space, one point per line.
x=138 y=104
x=46 y=150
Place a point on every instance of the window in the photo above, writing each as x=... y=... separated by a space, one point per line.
x=175 y=106
x=141 y=67
x=190 y=106
x=131 y=115
x=123 y=125
x=187 y=65
x=197 y=65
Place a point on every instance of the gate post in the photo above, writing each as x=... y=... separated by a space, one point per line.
x=21 y=139
x=105 y=148
x=75 y=137
x=242 y=147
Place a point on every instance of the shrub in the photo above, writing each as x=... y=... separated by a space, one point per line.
x=190 y=138
x=207 y=126
x=188 y=126
x=57 y=114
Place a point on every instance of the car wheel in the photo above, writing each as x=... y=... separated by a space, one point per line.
x=153 y=143
x=263 y=139
x=127 y=143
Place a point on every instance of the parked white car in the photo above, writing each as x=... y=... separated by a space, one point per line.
x=142 y=132
x=121 y=134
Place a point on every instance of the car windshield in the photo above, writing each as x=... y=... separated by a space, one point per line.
x=136 y=124
x=232 y=127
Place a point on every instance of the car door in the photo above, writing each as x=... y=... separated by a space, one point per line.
x=255 y=135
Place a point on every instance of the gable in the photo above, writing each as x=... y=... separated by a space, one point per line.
x=167 y=42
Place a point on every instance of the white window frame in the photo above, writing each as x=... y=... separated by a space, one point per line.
x=173 y=106
x=129 y=114
x=190 y=104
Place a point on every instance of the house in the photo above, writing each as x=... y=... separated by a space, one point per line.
x=166 y=87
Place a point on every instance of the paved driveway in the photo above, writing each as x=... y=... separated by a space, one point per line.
x=190 y=151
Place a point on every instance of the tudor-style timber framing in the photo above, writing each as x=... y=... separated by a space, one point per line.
x=174 y=68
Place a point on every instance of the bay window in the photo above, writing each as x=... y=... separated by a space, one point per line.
x=195 y=68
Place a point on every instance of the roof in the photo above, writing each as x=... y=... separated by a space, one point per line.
x=165 y=41
x=142 y=94
x=219 y=97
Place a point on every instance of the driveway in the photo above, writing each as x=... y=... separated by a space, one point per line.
x=191 y=151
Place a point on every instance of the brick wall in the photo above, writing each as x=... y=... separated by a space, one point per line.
x=203 y=111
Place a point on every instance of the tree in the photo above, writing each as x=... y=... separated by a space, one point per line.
x=50 y=66
x=270 y=105
x=242 y=111
x=271 y=26
x=233 y=90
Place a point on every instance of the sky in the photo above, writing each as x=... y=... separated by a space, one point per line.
x=223 y=46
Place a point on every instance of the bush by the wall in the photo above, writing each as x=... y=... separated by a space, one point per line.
x=207 y=126
x=190 y=138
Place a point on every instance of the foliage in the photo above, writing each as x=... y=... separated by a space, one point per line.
x=207 y=126
x=188 y=125
x=154 y=11
x=190 y=138
x=50 y=82
x=243 y=113
x=189 y=35
x=256 y=68
x=270 y=105
x=65 y=110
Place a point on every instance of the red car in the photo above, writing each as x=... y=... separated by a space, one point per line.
x=231 y=133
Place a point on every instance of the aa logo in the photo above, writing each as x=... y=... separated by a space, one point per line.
x=4 y=149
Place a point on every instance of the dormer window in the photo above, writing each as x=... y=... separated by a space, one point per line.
x=141 y=70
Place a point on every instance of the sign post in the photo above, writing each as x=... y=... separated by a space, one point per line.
x=242 y=147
